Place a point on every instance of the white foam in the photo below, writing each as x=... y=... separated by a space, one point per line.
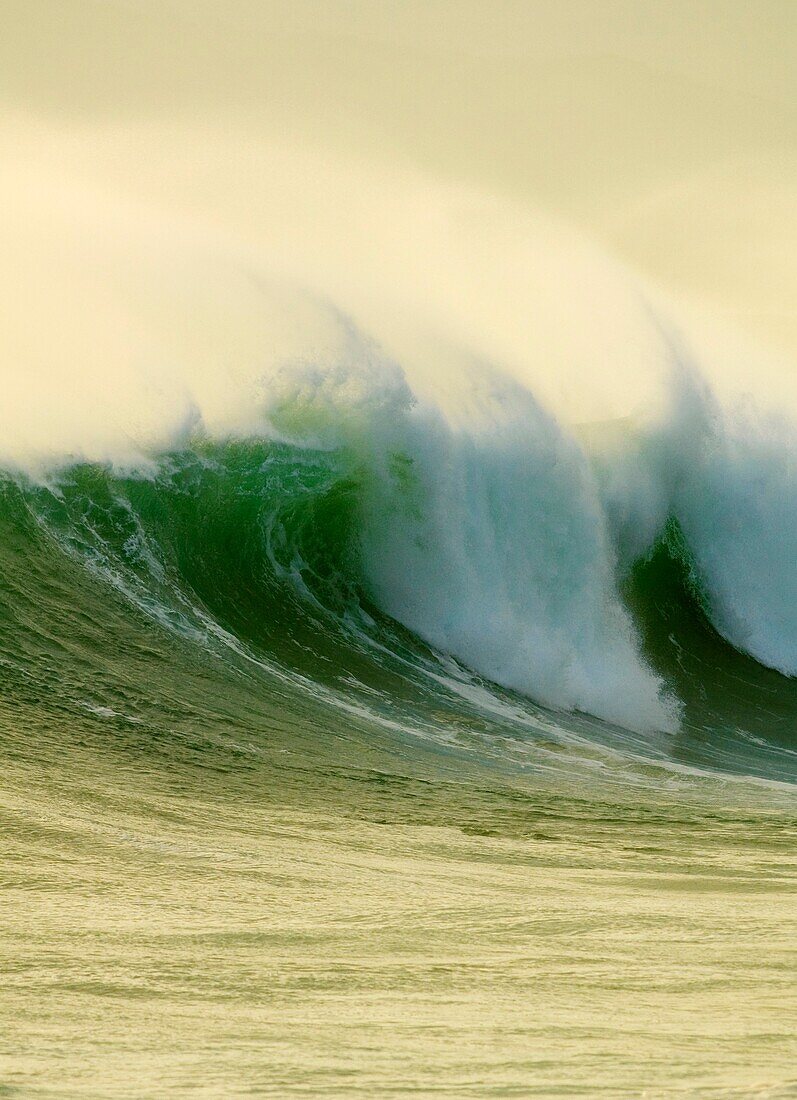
x=447 y=342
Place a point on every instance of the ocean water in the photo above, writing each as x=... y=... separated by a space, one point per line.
x=398 y=640
x=260 y=838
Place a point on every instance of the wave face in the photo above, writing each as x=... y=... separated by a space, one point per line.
x=308 y=581
x=428 y=475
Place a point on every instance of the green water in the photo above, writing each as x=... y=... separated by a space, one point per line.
x=260 y=840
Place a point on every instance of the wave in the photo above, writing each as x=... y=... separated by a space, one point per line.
x=351 y=484
x=255 y=555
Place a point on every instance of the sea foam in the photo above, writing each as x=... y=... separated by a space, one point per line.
x=524 y=419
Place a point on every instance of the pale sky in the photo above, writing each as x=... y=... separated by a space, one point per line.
x=667 y=130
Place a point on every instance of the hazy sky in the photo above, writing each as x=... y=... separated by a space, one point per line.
x=667 y=129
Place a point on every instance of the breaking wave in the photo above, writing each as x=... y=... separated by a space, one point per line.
x=430 y=474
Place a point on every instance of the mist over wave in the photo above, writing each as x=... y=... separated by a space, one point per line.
x=520 y=417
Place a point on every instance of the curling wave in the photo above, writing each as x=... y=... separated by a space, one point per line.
x=351 y=483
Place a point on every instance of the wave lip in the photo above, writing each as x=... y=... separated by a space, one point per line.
x=486 y=538
x=726 y=471
x=434 y=369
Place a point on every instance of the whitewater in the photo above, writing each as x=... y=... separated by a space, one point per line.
x=522 y=420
